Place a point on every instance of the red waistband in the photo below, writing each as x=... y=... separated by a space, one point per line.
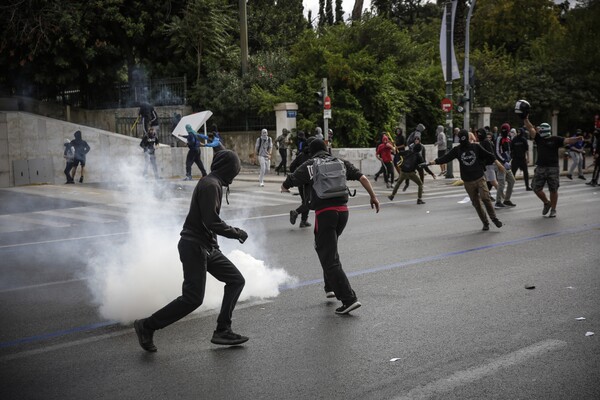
x=333 y=208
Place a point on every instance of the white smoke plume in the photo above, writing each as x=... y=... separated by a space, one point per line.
x=143 y=273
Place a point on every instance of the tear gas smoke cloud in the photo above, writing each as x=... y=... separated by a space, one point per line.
x=143 y=273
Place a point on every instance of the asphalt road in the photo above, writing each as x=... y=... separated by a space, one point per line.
x=445 y=313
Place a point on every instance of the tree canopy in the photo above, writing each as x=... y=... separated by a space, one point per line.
x=382 y=65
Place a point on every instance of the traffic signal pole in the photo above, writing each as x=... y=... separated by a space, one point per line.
x=325 y=119
x=449 y=126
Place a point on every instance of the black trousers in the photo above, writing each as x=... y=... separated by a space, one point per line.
x=522 y=164
x=196 y=263
x=388 y=172
x=329 y=225
x=303 y=209
x=283 y=163
x=67 y=171
x=193 y=156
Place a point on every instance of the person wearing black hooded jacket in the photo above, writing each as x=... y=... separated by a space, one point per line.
x=199 y=253
x=331 y=217
x=472 y=158
x=303 y=209
x=81 y=148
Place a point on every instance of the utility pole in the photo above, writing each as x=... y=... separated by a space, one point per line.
x=325 y=119
x=243 y=35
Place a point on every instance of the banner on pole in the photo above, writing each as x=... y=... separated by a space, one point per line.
x=443 y=50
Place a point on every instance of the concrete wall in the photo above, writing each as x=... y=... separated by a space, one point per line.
x=29 y=141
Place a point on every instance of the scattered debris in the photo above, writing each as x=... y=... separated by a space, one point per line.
x=589 y=334
x=529 y=287
x=580 y=319
x=394 y=359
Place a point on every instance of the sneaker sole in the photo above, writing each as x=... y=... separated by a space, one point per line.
x=352 y=307
x=330 y=295
x=228 y=342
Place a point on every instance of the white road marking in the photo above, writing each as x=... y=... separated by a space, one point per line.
x=461 y=378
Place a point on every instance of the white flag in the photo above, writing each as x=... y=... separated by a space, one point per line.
x=455 y=71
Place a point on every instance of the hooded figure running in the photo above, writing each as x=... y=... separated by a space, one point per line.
x=472 y=159
x=199 y=253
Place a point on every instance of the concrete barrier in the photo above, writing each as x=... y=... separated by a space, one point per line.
x=31 y=151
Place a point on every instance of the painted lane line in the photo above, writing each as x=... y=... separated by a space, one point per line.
x=378 y=268
x=442 y=256
x=77 y=342
x=41 y=285
x=465 y=377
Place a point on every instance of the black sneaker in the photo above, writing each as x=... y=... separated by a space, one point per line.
x=499 y=205
x=375 y=177
x=305 y=224
x=581 y=177
x=346 y=308
x=497 y=222
x=391 y=197
x=570 y=176
x=293 y=217
x=546 y=208
x=419 y=201
x=528 y=189
x=486 y=227
x=405 y=187
x=228 y=338
x=492 y=198
x=144 y=336
x=81 y=179
x=509 y=203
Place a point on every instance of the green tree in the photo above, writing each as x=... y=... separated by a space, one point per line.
x=274 y=25
x=205 y=27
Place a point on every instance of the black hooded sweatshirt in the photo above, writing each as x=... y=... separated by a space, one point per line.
x=203 y=223
x=471 y=158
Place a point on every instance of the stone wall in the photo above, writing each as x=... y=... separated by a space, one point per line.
x=31 y=151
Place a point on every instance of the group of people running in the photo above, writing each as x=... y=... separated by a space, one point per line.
x=485 y=162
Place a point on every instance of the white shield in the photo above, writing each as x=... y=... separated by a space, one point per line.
x=197 y=121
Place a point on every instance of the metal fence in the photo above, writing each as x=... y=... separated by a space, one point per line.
x=158 y=92
x=244 y=124
x=125 y=126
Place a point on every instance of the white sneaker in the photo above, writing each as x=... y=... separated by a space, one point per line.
x=261 y=184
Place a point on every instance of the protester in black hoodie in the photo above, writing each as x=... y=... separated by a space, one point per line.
x=472 y=158
x=303 y=209
x=331 y=216
x=81 y=149
x=199 y=253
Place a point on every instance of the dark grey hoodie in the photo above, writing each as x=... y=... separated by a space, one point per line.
x=203 y=223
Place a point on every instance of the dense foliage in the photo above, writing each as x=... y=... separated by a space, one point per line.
x=381 y=67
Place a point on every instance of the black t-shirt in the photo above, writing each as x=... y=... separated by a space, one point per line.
x=519 y=147
x=471 y=159
x=547 y=150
